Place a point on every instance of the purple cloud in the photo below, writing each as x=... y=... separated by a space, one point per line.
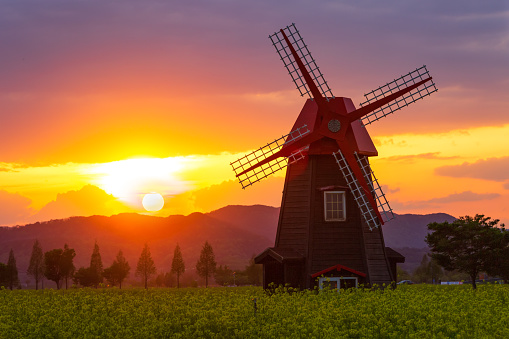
x=496 y=169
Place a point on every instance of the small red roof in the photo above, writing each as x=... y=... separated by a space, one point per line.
x=338 y=267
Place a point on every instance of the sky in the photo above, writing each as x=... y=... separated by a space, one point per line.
x=103 y=102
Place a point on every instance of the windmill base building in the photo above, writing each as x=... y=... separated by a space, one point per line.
x=321 y=235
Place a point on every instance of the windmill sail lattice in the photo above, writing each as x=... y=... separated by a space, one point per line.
x=291 y=65
x=264 y=152
x=383 y=205
x=402 y=82
x=357 y=191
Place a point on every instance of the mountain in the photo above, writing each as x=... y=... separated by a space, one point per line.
x=236 y=233
x=409 y=230
x=233 y=245
x=258 y=219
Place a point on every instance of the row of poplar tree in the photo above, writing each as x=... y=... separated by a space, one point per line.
x=57 y=265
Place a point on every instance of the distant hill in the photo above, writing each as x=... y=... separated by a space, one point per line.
x=409 y=230
x=236 y=233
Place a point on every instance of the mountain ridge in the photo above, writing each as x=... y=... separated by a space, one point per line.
x=236 y=233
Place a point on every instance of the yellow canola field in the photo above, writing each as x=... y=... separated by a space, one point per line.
x=415 y=311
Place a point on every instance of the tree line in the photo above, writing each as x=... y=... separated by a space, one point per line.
x=463 y=249
x=57 y=265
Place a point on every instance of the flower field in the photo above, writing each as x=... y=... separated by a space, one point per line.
x=414 y=311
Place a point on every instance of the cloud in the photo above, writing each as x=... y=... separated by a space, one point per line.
x=436 y=203
x=89 y=200
x=495 y=169
x=15 y=208
x=506 y=185
x=464 y=197
x=413 y=157
x=267 y=192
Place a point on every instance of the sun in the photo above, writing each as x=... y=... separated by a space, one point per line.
x=153 y=202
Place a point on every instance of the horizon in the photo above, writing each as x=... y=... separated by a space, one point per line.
x=104 y=104
x=186 y=215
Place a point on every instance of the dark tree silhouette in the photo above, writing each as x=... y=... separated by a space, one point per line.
x=12 y=271
x=118 y=271
x=96 y=266
x=67 y=265
x=36 y=266
x=224 y=275
x=178 y=266
x=254 y=272
x=3 y=274
x=52 y=267
x=145 y=268
x=206 y=265
x=85 y=277
x=468 y=244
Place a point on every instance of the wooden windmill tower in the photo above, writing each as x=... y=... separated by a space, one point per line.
x=332 y=206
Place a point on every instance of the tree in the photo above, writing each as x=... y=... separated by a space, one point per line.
x=402 y=274
x=67 y=265
x=36 y=266
x=254 y=273
x=422 y=272
x=223 y=275
x=499 y=263
x=85 y=277
x=206 y=265
x=52 y=268
x=145 y=268
x=96 y=266
x=118 y=271
x=3 y=274
x=12 y=271
x=178 y=266
x=467 y=244
x=435 y=270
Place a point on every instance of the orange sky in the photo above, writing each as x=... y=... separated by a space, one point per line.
x=102 y=103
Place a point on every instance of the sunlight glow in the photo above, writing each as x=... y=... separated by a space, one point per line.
x=129 y=180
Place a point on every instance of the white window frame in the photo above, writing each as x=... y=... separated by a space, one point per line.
x=343 y=202
x=321 y=280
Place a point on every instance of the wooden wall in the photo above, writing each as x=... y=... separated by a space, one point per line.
x=303 y=228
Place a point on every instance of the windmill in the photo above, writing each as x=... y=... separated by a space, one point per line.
x=332 y=208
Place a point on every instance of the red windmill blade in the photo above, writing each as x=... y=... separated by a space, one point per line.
x=333 y=119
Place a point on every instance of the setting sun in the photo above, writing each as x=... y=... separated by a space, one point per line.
x=153 y=202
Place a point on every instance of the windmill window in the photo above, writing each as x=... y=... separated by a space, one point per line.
x=334 y=206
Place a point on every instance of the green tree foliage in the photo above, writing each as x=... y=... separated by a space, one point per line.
x=36 y=266
x=85 y=277
x=254 y=273
x=3 y=275
x=223 y=275
x=178 y=266
x=206 y=265
x=498 y=265
x=145 y=268
x=12 y=272
x=118 y=271
x=165 y=280
x=429 y=271
x=435 y=270
x=422 y=272
x=67 y=264
x=402 y=274
x=52 y=268
x=96 y=266
x=467 y=244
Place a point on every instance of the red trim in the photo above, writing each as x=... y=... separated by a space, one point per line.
x=338 y=267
